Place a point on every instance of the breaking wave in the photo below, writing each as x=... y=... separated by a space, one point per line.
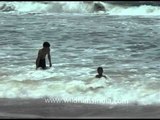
x=80 y=7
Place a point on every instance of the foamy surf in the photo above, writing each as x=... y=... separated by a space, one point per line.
x=98 y=7
x=126 y=46
x=47 y=84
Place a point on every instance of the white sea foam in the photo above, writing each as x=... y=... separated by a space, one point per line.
x=78 y=49
x=89 y=88
x=77 y=7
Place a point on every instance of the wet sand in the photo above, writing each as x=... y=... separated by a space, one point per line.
x=38 y=108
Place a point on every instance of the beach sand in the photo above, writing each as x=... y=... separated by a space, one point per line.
x=38 y=108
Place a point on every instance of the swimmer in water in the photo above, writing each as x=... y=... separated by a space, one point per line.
x=100 y=73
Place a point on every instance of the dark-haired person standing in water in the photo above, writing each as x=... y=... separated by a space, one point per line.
x=40 y=61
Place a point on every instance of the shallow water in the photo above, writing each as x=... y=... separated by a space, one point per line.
x=127 y=47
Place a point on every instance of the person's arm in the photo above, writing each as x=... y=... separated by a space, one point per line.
x=49 y=58
x=104 y=76
x=38 y=59
x=108 y=79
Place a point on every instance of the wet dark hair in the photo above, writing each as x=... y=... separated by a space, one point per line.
x=100 y=69
x=46 y=44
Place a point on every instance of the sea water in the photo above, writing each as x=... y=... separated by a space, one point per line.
x=124 y=41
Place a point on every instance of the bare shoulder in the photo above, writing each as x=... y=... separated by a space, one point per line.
x=105 y=76
x=40 y=52
x=49 y=50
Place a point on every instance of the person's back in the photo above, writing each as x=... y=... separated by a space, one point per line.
x=40 y=61
x=42 y=53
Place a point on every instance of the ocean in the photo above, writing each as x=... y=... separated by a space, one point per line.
x=123 y=40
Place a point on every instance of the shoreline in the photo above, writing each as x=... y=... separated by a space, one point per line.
x=38 y=108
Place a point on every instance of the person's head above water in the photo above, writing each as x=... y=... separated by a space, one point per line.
x=100 y=70
x=100 y=73
x=46 y=44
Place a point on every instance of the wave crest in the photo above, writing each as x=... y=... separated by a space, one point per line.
x=111 y=8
